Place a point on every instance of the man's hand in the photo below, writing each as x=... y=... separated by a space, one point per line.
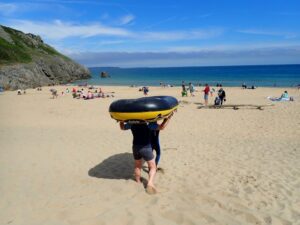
x=122 y=126
x=171 y=114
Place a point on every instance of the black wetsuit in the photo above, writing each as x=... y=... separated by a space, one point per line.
x=155 y=144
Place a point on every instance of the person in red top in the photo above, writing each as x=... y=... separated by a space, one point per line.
x=206 y=92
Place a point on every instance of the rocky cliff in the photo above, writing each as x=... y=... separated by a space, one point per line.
x=27 y=62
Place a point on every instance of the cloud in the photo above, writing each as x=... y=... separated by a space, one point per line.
x=205 y=57
x=286 y=35
x=127 y=19
x=7 y=8
x=60 y=30
x=181 y=35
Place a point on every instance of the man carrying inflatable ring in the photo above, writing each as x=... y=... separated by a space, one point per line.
x=141 y=116
x=142 y=149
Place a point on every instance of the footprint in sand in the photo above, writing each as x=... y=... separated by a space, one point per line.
x=166 y=149
x=160 y=170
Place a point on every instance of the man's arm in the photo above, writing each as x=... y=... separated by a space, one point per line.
x=165 y=122
x=124 y=126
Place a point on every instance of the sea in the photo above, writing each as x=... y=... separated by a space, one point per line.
x=230 y=76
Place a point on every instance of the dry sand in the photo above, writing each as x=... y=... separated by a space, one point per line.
x=65 y=161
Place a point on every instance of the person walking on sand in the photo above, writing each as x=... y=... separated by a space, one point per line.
x=141 y=148
x=206 y=93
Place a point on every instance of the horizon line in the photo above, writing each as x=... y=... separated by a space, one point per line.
x=153 y=67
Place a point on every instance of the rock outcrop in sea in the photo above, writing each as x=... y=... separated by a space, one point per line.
x=27 y=62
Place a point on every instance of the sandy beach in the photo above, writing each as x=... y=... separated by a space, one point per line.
x=64 y=161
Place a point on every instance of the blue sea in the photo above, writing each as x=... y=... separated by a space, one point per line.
x=260 y=76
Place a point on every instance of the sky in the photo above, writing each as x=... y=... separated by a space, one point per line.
x=163 y=33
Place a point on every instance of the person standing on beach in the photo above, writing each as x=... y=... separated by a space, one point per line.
x=206 y=93
x=222 y=94
x=192 y=89
x=142 y=149
x=145 y=90
x=183 y=86
x=183 y=92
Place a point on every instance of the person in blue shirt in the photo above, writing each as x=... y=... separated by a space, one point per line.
x=285 y=95
x=142 y=149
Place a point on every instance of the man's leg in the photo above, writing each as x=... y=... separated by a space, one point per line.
x=152 y=172
x=137 y=170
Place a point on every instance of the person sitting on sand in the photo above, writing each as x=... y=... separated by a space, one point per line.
x=141 y=148
x=83 y=95
x=285 y=95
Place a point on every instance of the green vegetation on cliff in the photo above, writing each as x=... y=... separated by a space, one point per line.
x=17 y=47
x=11 y=53
x=27 y=62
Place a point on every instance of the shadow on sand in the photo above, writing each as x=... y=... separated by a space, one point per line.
x=119 y=166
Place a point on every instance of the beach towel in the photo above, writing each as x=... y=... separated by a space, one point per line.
x=275 y=99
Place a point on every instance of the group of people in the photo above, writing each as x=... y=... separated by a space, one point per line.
x=244 y=86
x=220 y=98
x=20 y=92
x=81 y=93
x=184 y=91
x=165 y=85
x=90 y=94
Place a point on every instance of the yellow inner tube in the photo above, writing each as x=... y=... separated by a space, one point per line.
x=148 y=116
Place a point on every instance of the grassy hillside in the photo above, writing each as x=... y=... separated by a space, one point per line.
x=24 y=49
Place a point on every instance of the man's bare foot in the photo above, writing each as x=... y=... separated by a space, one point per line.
x=151 y=190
